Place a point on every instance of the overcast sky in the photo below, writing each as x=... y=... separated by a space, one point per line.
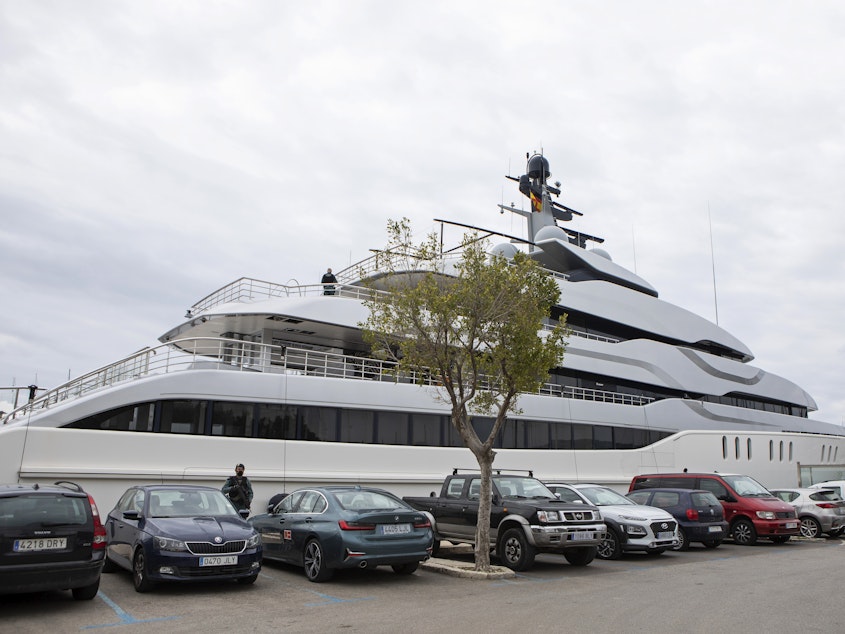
x=152 y=152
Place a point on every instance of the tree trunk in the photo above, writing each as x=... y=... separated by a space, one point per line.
x=482 y=527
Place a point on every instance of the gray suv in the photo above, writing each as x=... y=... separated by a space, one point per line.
x=51 y=538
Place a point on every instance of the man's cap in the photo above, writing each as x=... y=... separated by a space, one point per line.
x=241 y=465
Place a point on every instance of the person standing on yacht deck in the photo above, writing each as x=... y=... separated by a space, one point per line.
x=328 y=278
x=238 y=489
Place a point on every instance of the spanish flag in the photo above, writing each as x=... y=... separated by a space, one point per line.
x=536 y=202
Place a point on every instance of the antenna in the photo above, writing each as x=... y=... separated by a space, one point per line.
x=713 y=264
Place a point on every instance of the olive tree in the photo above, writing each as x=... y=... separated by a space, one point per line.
x=471 y=325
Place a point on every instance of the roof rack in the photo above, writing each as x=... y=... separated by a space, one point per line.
x=530 y=472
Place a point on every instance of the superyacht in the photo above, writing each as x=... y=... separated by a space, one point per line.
x=278 y=377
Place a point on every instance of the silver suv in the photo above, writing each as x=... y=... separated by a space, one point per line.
x=51 y=538
x=630 y=526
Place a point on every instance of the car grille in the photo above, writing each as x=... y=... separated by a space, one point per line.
x=207 y=548
x=212 y=571
x=784 y=515
x=579 y=516
x=663 y=526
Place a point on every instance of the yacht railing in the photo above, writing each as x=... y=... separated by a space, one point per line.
x=214 y=353
x=246 y=290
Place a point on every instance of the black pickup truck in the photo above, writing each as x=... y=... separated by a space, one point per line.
x=525 y=518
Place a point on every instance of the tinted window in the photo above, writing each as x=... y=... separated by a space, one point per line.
x=43 y=509
x=639 y=497
x=277 y=421
x=715 y=487
x=357 y=425
x=232 y=419
x=183 y=417
x=665 y=499
x=703 y=499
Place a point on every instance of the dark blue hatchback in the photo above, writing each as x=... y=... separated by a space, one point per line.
x=700 y=515
x=180 y=533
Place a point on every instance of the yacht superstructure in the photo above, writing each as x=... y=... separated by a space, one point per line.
x=279 y=378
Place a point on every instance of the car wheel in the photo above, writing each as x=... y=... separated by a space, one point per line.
x=86 y=593
x=712 y=543
x=140 y=579
x=406 y=569
x=515 y=551
x=810 y=527
x=247 y=581
x=744 y=533
x=611 y=546
x=315 y=562
x=781 y=539
x=435 y=547
x=109 y=565
x=837 y=532
x=580 y=556
x=683 y=540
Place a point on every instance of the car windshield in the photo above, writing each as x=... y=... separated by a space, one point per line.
x=747 y=486
x=189 y=503
x=521 y=487
x=363 y=499
x=602 y=496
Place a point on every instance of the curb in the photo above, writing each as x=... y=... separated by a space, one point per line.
x=461 y=568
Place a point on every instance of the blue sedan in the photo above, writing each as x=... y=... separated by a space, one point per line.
x=180 y=533
x=325 y=528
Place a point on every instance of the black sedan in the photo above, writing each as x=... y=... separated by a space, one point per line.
x=180 y=533
x=325 y=528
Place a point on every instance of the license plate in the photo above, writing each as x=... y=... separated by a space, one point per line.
x=41 y=543
x=792 y=524
x=666 y=535
x=225 y=560
x=715 y=529
x=394 y=529
x=580 y=537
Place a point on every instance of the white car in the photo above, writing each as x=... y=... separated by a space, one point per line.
x=630 y=527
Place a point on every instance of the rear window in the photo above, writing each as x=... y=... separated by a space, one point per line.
x=44 y=510
x=825 y=495
x=704 y=499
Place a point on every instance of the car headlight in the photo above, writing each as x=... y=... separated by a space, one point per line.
x=165 y=543
x=253 y=541
x=548 y=516
x=633 y=518
x=766 y=515
x=633 y=529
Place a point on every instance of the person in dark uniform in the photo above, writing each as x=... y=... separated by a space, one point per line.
x=327 y=281
x=238 y=489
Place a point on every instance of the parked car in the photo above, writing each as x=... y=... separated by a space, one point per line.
x=751 y=511
x=180 y=533
x=326 y=528
x=699 y=514
x=819 y=510
x=630 y=526
x=51 y=538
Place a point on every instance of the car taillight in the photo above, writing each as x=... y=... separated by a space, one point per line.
x=355 y=526
x=422 y=524
x=99 y=530
x=692 y=514
x=826 y=505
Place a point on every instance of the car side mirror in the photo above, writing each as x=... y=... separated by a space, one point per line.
x=244 y=513
x=131 y=515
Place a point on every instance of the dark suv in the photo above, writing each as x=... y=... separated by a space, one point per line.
x=700 y=515
x=51 y=538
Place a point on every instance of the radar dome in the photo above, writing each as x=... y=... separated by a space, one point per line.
x=538 y=167
x=602 y=253
x=505 y=250
x=551 y=232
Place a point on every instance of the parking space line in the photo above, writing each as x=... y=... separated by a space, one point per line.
x=330 y=599
x=125 y=617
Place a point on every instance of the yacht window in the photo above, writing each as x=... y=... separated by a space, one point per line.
x=319 y=423
x=277 y=421
x=357 y=425
x=183 y=417
x=232 y=419
x=425 y=430
x=392 y=428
